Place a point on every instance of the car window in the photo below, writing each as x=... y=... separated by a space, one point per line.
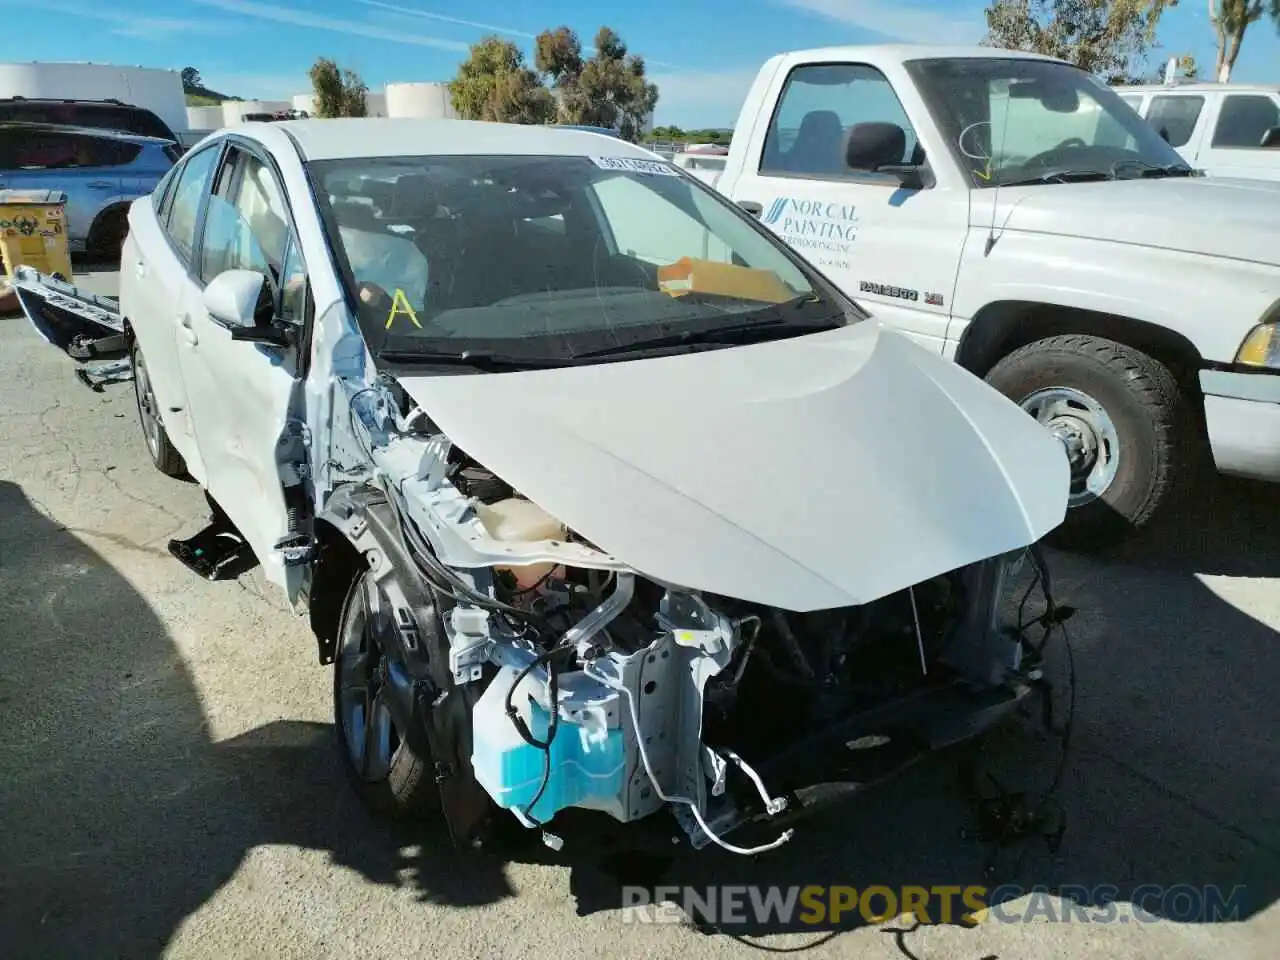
x=247 y=226
x=192 y=184
x=650 y=228
x=1175 y=117
x=101 y=115
x=818 y=106
x=293 y=286
x=51 y=150
x=1133 y=101
x=1245 y=120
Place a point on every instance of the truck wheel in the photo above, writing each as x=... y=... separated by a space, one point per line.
x=387 y=775
x=1122 y=419
x=167 y=460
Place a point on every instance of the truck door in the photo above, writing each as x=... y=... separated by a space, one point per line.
x=1239 y=141
x=1181 y=119
x=894 y=249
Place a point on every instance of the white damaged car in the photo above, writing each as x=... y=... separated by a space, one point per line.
x=597 y=494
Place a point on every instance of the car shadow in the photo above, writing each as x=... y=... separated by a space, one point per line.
x=123 y=817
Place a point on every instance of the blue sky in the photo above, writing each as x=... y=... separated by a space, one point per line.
x=702 y=53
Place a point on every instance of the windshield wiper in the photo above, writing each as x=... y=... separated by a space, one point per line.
x=1060 y=176
x=478 y=359
x=730 y=335
x=1154 y=170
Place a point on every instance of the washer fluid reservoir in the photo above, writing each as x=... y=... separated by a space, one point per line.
x=517 y=519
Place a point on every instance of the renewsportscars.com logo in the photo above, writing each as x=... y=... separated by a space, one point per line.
x=967 y=905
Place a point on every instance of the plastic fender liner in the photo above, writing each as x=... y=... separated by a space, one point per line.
x=436 y=717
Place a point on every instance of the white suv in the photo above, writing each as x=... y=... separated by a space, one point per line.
x=1227 y=130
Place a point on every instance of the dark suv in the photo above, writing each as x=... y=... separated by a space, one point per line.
x=100 y=114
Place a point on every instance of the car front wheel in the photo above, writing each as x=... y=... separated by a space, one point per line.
x=387 y=774
x=1121 y=420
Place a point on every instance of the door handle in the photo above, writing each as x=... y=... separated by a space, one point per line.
x=753 y=208
x=139 y=269
x=100 y=184
x=186 y=331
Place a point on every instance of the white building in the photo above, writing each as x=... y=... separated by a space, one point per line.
x=159 y=91
x=428 y=101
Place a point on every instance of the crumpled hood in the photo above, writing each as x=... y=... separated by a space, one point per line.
x=821 y=471
x=1208 y=215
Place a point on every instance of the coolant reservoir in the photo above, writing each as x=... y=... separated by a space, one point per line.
x=516 y=519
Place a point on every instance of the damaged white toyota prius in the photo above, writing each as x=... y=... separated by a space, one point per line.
x=597 y=495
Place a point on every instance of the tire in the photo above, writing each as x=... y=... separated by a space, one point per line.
x=166 y=459
x=1131 y=407
x=396 y=783
x=106 y=238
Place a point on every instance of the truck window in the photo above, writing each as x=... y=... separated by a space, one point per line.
x=1175 y=117
x=1245 y=120
x=1016 y=120
x=818 y=106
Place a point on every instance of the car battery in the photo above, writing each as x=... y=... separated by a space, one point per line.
x=33 y=231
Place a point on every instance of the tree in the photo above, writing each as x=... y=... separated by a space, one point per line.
x=338 y=93
x=1230 y=19
x=494 y=83
x=610 y=89
x=1110 y=38
x=191 y=77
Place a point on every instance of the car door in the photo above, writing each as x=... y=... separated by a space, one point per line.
x=245 y=397
x=894 y=249
x=1234 y=147
x=157 y=258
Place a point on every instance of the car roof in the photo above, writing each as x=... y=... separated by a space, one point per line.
x=102 y=133
x=912 y=51
x=1206 y=86
x=351 y=137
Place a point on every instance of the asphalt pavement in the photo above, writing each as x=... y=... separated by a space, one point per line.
x=169 y=783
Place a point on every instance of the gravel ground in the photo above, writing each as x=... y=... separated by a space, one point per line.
x=169 y=785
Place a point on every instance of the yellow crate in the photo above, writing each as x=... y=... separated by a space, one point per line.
x=33 y=231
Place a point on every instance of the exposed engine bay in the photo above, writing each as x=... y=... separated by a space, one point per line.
x=596 y=687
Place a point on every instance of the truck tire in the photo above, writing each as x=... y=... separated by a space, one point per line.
x=167 y=459
x=1123 y=419
x=385 y=772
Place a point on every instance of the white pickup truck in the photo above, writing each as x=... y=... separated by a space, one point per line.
x=1224 y=129
x=1011 y=212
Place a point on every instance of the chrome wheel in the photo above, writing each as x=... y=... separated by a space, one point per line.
x=365 y=674
x=1087 y=434
x=148 y=409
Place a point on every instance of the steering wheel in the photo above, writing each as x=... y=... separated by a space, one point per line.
x=1044 y=156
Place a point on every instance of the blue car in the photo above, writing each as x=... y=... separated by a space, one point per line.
x=101 y=171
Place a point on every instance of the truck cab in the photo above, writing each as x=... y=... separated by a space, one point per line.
x=1012 y=213
x=1227 y=130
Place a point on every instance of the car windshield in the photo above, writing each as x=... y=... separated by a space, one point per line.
x=557 y=259
x=1011 y=121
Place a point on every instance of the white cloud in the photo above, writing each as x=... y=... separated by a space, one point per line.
x=701 y=99
x=912 y=22
x=302 y=18
x=413 y=12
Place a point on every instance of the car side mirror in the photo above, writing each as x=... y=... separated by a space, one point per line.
x=240 y=300
x=1271 y=138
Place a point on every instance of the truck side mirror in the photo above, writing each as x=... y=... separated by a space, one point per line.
x=1271 y=138
x=879 y=148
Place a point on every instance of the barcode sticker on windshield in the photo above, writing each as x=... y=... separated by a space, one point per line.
x=635 y=165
